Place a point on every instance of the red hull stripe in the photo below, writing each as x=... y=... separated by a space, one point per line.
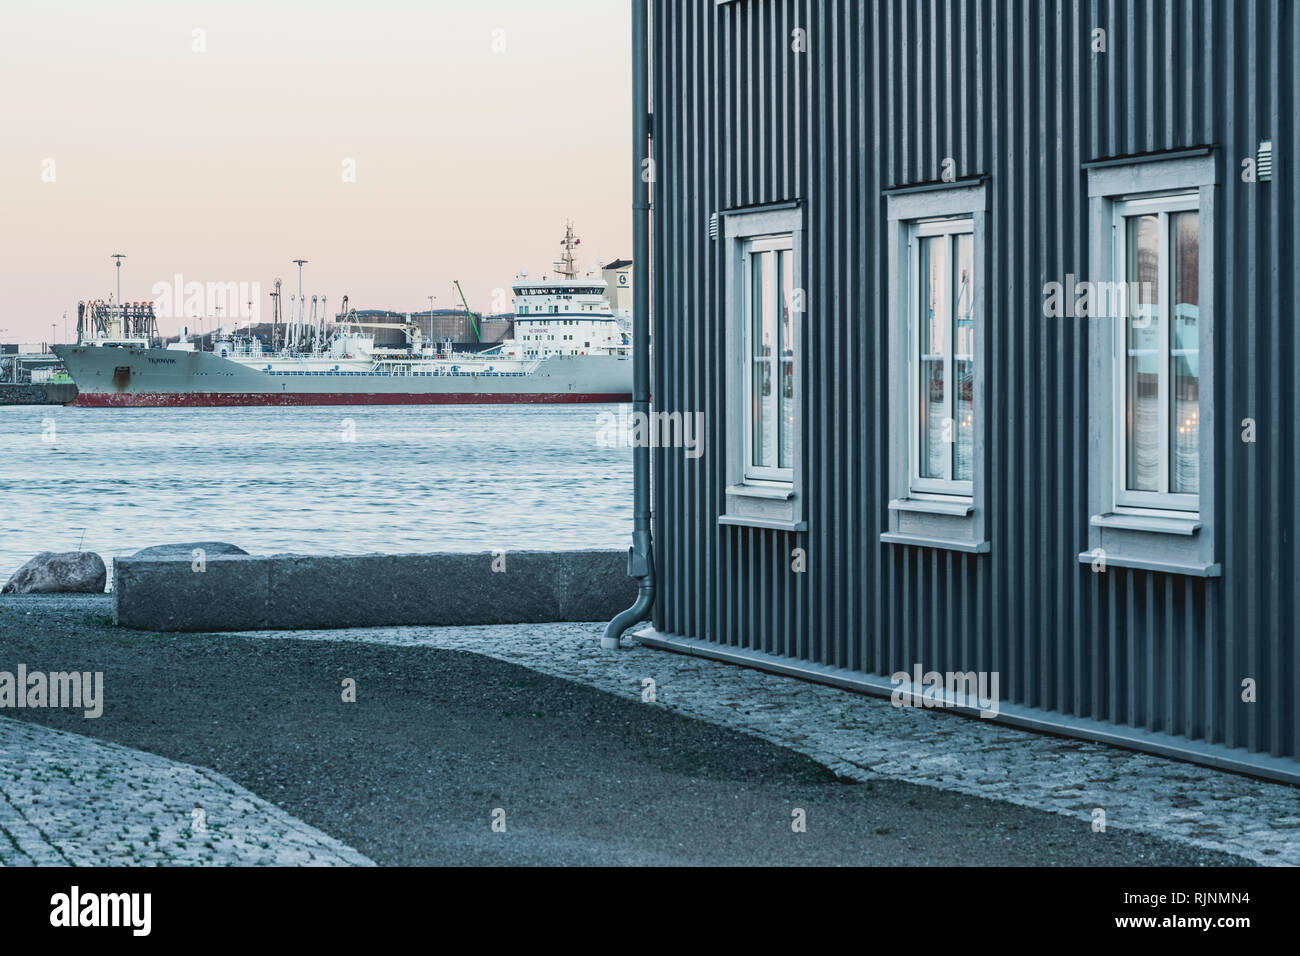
x=216 y=399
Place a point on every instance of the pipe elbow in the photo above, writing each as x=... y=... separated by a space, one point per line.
x=624 y=619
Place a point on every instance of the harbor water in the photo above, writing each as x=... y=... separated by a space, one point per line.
x=336 y=480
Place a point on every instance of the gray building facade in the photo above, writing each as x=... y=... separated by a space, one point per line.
x=988 y=311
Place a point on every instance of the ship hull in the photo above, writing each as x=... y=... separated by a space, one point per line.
x=116 y=377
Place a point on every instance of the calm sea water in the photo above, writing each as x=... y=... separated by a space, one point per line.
x=311 y=480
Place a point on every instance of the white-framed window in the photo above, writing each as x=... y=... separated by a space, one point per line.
x=767 y=281
x=941 y=359
x=764 y=366
x=937 y=265
x=1157 y=375
x=1151 y=418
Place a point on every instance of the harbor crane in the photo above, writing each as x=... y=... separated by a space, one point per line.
x=412 y=329
x=473 y=319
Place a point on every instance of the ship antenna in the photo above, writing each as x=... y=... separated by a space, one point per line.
x=568 y=268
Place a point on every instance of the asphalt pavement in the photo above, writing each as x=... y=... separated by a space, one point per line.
x=448 y=757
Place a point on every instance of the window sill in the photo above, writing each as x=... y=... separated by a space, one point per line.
x=1192 y=569
x=1146 y=542
x=948 y=544
x=1148 y=523
x=772 y=492
x=773 y=506
x=953 y=506
x=754 y=521
x=947 y=522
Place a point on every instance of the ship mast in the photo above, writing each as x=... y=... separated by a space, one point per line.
x=566 y=266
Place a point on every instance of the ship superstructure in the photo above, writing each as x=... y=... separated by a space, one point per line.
x=567 y=315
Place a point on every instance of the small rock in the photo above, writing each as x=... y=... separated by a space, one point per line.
x=80 y=572
x=186 y=551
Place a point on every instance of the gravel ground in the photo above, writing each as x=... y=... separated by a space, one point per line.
x=412 y=772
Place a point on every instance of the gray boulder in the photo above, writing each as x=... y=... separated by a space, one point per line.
x=186 y=551
x=81 y=572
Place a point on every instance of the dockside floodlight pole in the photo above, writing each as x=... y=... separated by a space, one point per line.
x=640 y=560
x=119 y=257
x=120 y=311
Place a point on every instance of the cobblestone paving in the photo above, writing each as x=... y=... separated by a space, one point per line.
x=857 y=736
x=66 y=800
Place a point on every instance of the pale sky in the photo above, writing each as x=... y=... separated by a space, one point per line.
x=223 y=165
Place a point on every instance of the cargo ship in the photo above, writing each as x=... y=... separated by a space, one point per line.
x=568 y=346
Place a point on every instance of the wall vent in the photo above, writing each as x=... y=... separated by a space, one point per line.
x=713 y=225
x=1264 y=161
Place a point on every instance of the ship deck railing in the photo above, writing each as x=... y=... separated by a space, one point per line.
x=485 y=373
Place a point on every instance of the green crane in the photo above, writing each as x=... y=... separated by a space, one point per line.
x=473 y=319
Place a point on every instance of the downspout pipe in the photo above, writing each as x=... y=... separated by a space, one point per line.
x=640 y=558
